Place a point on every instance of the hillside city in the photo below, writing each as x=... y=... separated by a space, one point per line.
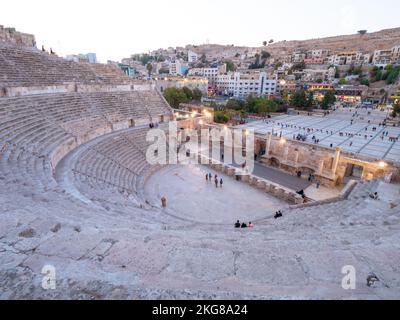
x=282 y=74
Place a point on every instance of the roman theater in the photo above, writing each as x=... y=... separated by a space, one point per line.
x=79 y=196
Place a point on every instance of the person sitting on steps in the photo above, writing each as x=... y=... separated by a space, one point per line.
x=243 y=226
x=237 y=224
x=374 y=196
x=278 y=214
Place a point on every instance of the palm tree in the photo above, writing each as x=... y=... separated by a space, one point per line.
x=149 y=68
x=264 y=43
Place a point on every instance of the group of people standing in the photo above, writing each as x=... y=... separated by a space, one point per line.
x=243 y=225
x=218 y=182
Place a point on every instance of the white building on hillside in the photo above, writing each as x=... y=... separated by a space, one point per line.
x=193 y=57
x=210 y=73
x=241 y=85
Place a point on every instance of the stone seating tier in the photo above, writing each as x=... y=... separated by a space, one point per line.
x=22 y=67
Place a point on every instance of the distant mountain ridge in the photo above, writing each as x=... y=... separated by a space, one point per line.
x=384 y=39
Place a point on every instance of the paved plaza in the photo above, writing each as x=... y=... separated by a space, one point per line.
x=337 y=130
x=185 y=187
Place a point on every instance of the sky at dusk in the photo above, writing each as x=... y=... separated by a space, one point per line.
x=118 y=28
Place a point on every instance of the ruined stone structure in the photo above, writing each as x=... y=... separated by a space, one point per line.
x=330 y=167
x=73 y=171
x=12 y=36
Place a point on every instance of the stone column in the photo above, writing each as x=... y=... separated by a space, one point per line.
x=286 y=153
x=268 y=144
x=321 y=167
x=336 y=160
x=296 y=157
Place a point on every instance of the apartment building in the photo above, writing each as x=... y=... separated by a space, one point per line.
x=193 y=57
x=318 y=53
x=210 y=73
x=178 y=68
x=343 y=58
x=318 y=74
x=241 y=85
x=382 y=57
x=179 y=82
x=396 y=54
x=298 y=57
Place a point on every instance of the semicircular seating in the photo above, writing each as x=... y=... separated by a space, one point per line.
x=115 y=246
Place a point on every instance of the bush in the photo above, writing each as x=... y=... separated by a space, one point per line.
x=221 y=117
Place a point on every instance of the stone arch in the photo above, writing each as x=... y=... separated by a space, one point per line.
x=274 y=162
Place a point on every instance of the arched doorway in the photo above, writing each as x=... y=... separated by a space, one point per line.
x=274 y=162
x=354 y=171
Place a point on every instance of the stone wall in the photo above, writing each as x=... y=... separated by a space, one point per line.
x=71 y=87
x=10 y=35
x=267 y=186
x=330 y=167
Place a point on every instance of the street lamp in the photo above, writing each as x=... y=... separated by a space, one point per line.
x=382 y=164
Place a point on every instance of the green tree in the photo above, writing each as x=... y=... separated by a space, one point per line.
x=265 y=55
x=265 y=106
x=197 y=94
x=299 y=99
x=337 y=73
x=364 y=82
x=234 y=104
x=343 y=82
x=145 y=59
x=230 y=66
x=310 y=100
x=285 y=96
x=149 y=68
x=328 y=100
x=175 y=97
x=203 y=59
x=188 y=93
x=265 y=43
x=393 y=75
x=221 y=117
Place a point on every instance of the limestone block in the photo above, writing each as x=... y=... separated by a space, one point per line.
x=230 y=171
x=261 y=184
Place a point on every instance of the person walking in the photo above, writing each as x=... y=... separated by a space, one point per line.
x=207 y=177
x=221 y=182
x=216 y=182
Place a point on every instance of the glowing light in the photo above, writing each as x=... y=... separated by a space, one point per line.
x=382 y=164
x=201 y=122
x=225 y=127
x=283 y=141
